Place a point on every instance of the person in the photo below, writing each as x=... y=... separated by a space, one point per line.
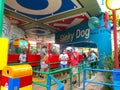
x=22 y=57
x=74 y=62
x=63 y=58
x=43 y=64
x=94 y=57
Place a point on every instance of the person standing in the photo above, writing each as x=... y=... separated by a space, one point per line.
x=74 y=62
x=22 y=57
x=43 y=64
x=63 y=62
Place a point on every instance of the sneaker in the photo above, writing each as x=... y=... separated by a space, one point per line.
x=74 y=82
x=65 y=81
x=62 y=81
x=41 y=77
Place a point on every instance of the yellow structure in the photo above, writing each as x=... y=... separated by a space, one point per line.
x=113 y=4
x=26 y=88
x=3 y=52
x=17 y=71
x=17 y=77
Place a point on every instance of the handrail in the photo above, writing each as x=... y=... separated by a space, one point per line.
x=60 y=85
x=58 y=71
x=98 y=70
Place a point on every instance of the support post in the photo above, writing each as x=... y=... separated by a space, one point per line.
x=115 y=40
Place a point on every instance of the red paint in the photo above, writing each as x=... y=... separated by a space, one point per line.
x=28 y=48
x=0 y=78
x=115 y=40
x=4 y=80
x=53 y=58
x=106 y=18
x=25 y=81
x=35 y=59
x=13 y=58
x=19 y=21
x=64 y=23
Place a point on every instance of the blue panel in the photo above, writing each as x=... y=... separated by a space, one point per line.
x=116 y=75
x=116 y=83
x=14 y=84
x=33 y=4
x=41 y=5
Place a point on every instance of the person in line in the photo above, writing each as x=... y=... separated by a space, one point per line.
x=43 y=64
x=63 y=62
x=22 y=57
x=74 y=62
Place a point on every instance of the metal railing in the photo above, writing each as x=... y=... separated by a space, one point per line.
x=93 y=82
x=80 y=68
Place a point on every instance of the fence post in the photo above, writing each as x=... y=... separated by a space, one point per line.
x=70 y=78
x=84 y=78
x=79 y=75
x=48 y=82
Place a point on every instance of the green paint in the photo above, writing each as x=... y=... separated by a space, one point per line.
x=49 y=83
x=1 y=15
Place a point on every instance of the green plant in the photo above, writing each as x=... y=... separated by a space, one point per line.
x=108 y=63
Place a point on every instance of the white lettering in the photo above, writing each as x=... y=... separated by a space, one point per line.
x=66 y=37
x=82 y=33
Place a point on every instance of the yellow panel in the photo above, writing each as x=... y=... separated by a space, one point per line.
x=26 y=88
x=17 y=71
x=3 y=52
x=3 y=88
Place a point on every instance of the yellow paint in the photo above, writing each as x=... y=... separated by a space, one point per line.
x=4 y=88
x=17 y=71
x=113 y=4
x=38 y=80
x=16 y=42
x=26 y=88
x=3 y=52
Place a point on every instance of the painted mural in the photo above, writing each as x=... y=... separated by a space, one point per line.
x=11 y=31
x=6 y=27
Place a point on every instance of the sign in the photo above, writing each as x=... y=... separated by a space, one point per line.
x=81 y=36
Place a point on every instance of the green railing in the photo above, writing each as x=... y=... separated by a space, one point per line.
x=80 y=67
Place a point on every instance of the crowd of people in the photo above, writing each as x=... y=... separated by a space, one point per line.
x=66 y=58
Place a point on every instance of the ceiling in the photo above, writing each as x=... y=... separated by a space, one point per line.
x=45 y=17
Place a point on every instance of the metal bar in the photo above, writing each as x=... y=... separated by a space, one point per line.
x=36 y=71
x=38 y=83
x=84 y=78
x=100 y=70
x=115 y=40
x=102 y=83
x=65 y=69
x=70 y=78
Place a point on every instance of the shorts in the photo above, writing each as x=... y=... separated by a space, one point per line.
x=63 y=66
x=74 y=70
x=44 y=65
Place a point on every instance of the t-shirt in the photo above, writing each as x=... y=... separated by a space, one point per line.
x=74 y=59
x=22 y=58
x=63 y=59
x=93 y=56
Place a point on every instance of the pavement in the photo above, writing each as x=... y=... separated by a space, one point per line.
x=98 y=77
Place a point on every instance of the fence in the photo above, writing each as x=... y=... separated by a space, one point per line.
x=101 y=83
x=80 y=68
